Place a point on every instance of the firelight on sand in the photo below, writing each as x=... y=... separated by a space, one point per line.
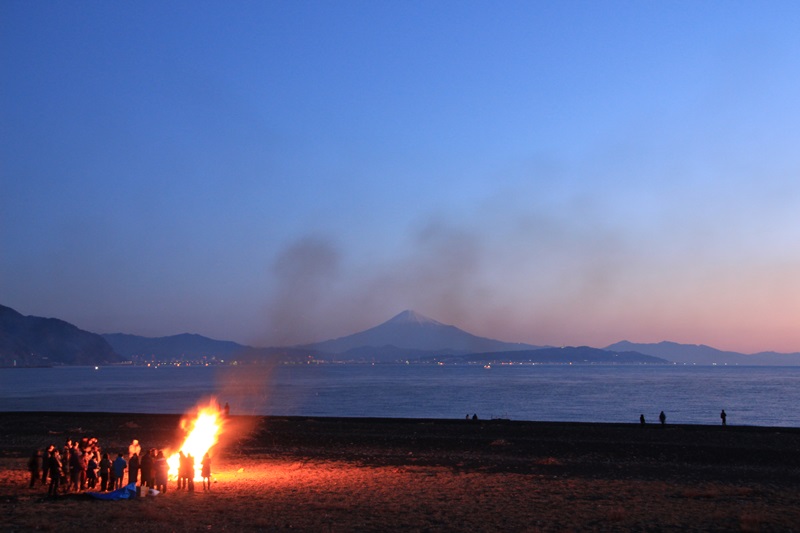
x=202 y=432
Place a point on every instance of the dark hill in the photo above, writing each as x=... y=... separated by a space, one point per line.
x=183 y=346
x=36 y=341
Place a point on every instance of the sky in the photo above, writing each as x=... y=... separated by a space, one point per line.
x=282 y=172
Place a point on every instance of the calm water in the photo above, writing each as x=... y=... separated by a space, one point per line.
x=766 y=396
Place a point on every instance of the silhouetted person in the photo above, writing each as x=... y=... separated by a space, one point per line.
x=662 y=418
x=118 y=470
x=181 y=470
x=105 y=472
x=226 y=410
x=190 y=471
x=724 y=418
x=133 y=468
x=91 y=470
x=475 y=416
x=134 y=448
x=161 y=471
x=34 y=465
x=54 y=470
x=641 y=419
x=205 y=472
x=75 y=466
x=46 y=463
x=148 y=476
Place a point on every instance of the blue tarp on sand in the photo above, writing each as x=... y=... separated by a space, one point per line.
x=124 y=493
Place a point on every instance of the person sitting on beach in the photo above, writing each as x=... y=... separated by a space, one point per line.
x=205 y=472
x=118 y=468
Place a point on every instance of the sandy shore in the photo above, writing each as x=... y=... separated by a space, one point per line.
x=327 y=474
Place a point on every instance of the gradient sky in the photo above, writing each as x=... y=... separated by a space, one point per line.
x=563 y=173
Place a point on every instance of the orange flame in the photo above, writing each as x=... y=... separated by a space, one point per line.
x=203 y=433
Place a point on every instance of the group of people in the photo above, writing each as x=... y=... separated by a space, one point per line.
x=82 y=465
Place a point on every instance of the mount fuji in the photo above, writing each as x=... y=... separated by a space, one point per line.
x=410 y=331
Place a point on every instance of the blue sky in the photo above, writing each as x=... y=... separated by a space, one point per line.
x=556 y=173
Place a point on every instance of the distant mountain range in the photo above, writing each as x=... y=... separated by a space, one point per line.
x=700 y=354
x=409 y=336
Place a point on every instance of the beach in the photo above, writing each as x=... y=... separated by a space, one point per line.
x=359 y=474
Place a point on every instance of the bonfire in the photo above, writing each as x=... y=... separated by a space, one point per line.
x=202 y=433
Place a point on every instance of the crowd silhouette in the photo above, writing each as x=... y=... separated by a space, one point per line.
x=82 y=465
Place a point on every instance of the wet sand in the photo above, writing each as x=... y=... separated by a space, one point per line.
x=329 y=474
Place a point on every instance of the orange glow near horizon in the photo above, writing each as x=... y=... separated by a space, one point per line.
x=202 y=433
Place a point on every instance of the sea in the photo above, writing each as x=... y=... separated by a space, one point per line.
x=753 y=396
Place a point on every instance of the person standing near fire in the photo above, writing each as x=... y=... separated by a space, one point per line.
x=105 y=472
x=134 y=448
x=54 y=468
x=148 y=468
x=161 y=471
x=118 y=468
x=133 y=468
x=205 y=472
x=190 y=472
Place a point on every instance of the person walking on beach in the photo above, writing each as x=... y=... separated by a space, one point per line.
x=724 y=418
x=205 y=472
x=641 y=419
x=662 y=418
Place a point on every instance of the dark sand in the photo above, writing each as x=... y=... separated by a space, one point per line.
x=327 y=474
